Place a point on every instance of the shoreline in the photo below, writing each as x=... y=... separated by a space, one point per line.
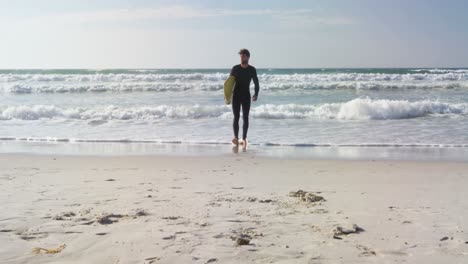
x=319 y=152
x=172 y=209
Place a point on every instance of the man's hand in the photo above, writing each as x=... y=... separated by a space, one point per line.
x=254 y=98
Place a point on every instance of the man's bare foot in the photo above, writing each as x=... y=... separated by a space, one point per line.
x=235 y=141
x=244 y=142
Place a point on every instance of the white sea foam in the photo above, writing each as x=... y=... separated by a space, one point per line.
x=36 y=112
x=19 y=88
x=215 y=142
x=60 y=83
x=84 y=78
x=360 y=108
x=441 y=70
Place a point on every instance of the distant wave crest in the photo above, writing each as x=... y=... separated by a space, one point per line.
x=461 y=75
x=153 y=82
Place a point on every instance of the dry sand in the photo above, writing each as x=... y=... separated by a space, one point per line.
x=153 y=209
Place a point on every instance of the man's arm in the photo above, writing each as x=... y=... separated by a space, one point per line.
x=257 y=86
x=233 y=71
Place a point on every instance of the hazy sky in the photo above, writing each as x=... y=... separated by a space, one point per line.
x=208 y=33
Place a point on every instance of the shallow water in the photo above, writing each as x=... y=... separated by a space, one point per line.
x=296 y=107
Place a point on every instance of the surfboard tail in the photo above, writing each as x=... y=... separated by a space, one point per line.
x=229 y=86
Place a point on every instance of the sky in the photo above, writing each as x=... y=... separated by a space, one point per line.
x=101 y=34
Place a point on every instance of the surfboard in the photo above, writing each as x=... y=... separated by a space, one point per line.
x=229 y=85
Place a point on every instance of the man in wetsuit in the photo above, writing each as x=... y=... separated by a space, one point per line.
x=243 y=74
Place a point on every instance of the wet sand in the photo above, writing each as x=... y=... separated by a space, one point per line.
x=231 y=209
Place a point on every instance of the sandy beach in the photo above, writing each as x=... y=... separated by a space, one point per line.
x=228 y=132
x=230 y=209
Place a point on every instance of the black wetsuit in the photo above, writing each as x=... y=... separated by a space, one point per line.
x=241 y=96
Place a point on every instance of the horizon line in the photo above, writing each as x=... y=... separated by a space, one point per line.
x=216 y=68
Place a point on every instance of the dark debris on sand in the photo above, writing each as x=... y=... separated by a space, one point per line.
x=342 y=231
x=306 y=196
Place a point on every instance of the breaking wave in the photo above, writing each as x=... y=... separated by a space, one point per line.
x=357 y=109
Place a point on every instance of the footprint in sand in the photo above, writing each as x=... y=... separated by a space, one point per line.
x=393 y=252
x=103 y=219
x=151 y=260
x=171 y=217
x=64 y=216
x=365 y=251
x=33 y=235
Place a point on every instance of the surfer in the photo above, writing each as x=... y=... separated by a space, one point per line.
x=243 y=73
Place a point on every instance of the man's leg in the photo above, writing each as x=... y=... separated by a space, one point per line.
x=236 y=104
x=245 y=116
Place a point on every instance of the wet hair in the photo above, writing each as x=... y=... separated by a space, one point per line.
x=245 y=51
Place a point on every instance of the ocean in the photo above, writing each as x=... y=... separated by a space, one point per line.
x=358 y=108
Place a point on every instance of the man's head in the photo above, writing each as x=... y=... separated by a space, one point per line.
x=244 y=56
